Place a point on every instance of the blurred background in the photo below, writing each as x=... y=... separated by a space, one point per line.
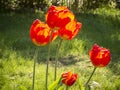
x=20 y=5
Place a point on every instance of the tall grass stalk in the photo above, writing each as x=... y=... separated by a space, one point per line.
x=56 y=58
x=34 y=67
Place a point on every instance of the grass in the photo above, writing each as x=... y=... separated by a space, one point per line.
x=101 y=26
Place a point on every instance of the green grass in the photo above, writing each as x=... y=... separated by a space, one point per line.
x=101 y=26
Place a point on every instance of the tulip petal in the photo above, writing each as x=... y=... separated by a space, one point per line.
x=58 y=16
x=69 y=78
x=40 y=33
x=99 y=56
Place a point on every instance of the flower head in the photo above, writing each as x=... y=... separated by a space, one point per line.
x=99 y=56
x=69 y=78
x=70 y=30
x=40 y=33
x=58 y=16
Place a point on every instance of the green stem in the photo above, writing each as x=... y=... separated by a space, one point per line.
x=90 y=76
x=56 y=58
x=66 y=87
x=48 y=57
x=35 y=58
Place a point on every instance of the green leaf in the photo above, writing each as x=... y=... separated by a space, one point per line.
x=81 y=85
x=55 y=84
x=21 y=87
x=87 y=87
x=61 y=88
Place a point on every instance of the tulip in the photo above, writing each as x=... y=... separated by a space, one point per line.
x=40 y=33
x=58 y=16
x=70 y=30
x=99 y=56
x=69 y=78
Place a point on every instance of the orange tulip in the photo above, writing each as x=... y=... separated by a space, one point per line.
x=70 y=30
x=99 y=56
x=40 y=33
x=68 y=78
x=58 y=16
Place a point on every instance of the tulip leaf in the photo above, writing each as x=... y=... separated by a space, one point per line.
x=87 y=87
x=81 y=85
x=55 y=85
x=61 y=88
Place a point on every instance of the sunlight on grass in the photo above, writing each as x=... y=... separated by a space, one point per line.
x=17 y=73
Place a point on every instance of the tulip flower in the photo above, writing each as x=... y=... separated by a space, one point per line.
x=69 y=78
x=58 y=16
x=62 y=19
x=40 y=33
x=99 y=56
x=70 y=30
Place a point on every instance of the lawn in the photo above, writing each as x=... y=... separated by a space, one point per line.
x=101 y=26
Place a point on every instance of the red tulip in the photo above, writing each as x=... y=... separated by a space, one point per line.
x=68 y=78
x=58 y=16
x=40 y=33
x=99 y=56
x=70 y=30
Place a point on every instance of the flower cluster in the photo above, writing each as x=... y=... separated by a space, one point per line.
x=60 y=21
x=99 y=57
x=63 y=20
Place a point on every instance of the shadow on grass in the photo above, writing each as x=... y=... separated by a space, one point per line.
x=69 y=60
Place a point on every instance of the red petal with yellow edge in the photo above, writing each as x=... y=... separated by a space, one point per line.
x=70 y=30
x=67 y=75
x=68 y=78
x=58 y=16
x=72 y=80
x=99 y=56
x=40 y=33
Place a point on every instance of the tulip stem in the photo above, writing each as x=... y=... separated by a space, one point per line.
x=56 y=58
x=90 y=76
x=48 y=57
x=34 y=68
x=66 y=87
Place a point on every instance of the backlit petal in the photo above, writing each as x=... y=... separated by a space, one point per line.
x=40 y=33
x=99 y=56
